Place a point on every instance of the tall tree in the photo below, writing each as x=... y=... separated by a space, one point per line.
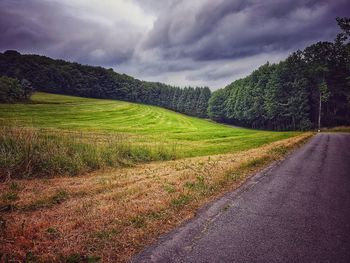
x=309 y=88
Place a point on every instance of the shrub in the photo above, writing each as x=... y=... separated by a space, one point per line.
x=11 y=90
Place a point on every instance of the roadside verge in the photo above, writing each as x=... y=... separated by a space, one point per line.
x=112 y=214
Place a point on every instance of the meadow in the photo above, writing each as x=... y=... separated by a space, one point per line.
x=141 y=123
x=65 y=135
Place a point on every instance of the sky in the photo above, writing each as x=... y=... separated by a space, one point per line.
x=183 y=43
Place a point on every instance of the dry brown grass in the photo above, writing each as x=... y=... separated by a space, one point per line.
x=112 y=214
x=337 y=129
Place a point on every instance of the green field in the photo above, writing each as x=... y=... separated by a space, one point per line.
x=144 y=124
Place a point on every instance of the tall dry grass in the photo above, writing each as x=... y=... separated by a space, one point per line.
x=30 y=152
x=112 y=214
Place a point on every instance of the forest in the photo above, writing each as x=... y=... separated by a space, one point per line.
x=309 y=88
x=61 y=77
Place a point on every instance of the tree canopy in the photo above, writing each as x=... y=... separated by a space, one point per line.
x=58 y=76
x=12 y=90
x=310 y=85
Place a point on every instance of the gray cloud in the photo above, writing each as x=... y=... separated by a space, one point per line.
x=187 y=42
x=57 y=29
x=234 y=29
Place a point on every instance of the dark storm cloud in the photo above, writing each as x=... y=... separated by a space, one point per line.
x=211 y=30
x=23 y=27
x=182 y=42
x=55 y=29
x=217 y=73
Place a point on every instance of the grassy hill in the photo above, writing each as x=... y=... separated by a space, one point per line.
x=143 y=124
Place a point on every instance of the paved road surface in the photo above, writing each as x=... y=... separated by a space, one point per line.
x=297 y=211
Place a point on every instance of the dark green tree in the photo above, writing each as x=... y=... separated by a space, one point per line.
x=11 y=90
x=216 y=108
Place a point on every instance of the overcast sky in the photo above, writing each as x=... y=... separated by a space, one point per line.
x=190 y=42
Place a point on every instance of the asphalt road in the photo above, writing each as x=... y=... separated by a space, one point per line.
x=295 y=211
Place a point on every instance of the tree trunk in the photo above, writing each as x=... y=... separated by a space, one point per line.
x=319 y=114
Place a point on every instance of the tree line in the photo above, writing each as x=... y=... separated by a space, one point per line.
x=62 y=77
x=308 y=89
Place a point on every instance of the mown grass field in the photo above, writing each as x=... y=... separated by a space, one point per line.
x=141 y=123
